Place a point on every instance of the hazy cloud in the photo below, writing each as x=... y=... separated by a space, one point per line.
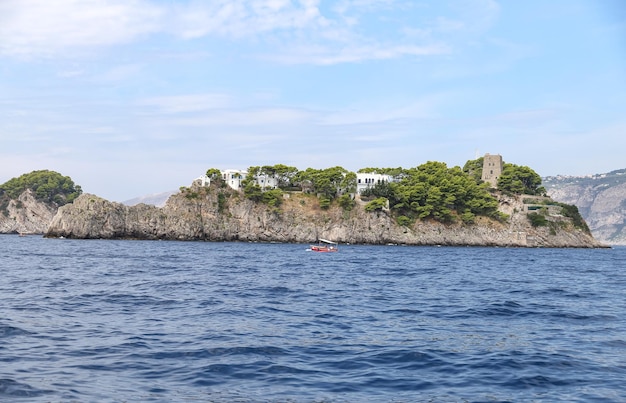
x=31 y=28
x=289 y=31
x=187 y=103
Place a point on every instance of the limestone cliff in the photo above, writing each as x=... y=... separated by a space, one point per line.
x=221 y=214
x=601 y=200
x=26 y=215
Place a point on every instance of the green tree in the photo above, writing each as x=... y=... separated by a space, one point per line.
x=250 y=187
x=474 y=168
x=520 y=180
x=214 y=173
x=348 y=183
x=328 y=183
x=48 y=186
x=432 y=190
x=380 y=189
x=284 y=175
x=346 y=202
x=376 y=204
x=273 y=197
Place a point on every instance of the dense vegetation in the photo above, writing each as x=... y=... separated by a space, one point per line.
x=474 y=168
x=515 y=179
x=429 y=191
x=432 y=190
x=538 y=219
x=520 y=180
x=328 y=184
x=48 y=186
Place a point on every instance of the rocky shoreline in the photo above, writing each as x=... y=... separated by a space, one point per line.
x=221 y=214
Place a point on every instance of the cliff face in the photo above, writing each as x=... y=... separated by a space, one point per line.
x=601 y=200
x=26 y=215
x=224 y=215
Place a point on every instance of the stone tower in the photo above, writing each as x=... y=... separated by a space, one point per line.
x=492 y=169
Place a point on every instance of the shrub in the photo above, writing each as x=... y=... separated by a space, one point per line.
x=537 y=220
x=376 y=204
x=468 y=217
x=325 y=203
x=273 y=198
x=221 y=202
x=572 y=212
x=403 y=221
x=346 y=202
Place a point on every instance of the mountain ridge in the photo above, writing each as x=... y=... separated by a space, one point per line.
x=600 y=198
x=153 y=199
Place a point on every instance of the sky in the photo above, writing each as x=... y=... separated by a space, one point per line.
x=136 y=97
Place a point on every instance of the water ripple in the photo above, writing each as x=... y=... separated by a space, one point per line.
x=223 y=322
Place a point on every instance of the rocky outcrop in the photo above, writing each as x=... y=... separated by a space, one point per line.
x=26 y=215
x=221 y=214
x=601 y=200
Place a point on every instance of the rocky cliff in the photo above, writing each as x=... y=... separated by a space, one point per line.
x=221 y=214
x=601 y=200
x=26 y=215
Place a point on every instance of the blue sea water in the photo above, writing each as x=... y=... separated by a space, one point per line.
x=149 y=321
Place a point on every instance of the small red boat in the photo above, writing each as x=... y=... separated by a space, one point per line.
x=325 y=245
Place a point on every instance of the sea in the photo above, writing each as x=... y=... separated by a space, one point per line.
x=164 y=321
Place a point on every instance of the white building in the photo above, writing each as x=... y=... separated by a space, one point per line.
x=235 y=177
x=204 y=180
x=267 y=181
x=369 y=180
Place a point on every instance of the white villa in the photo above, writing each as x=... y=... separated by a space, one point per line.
x=368 y=180
x=234 y=178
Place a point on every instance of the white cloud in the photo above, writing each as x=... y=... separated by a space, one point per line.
x=241 y=18
x=286 y=31
x=477 y=15
x=245 y=117
x=42 y=27
x=187 y=103
x=330 y=54
x=119 y=73
x=426 y=108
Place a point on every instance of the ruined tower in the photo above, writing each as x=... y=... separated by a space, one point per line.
x=492 y=169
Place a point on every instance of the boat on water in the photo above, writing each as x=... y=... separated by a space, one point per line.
x=324 y=245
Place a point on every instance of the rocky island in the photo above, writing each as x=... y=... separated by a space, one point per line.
x=426 y=205
x=300 y=220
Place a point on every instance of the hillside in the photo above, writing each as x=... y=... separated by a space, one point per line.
x=217 y=213
x=28 y=203
x=601 y=200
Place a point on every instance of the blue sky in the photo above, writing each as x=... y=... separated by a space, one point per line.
x=133 y=97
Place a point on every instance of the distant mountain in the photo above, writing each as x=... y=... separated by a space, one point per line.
x=600 y=198
x=156 y=199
